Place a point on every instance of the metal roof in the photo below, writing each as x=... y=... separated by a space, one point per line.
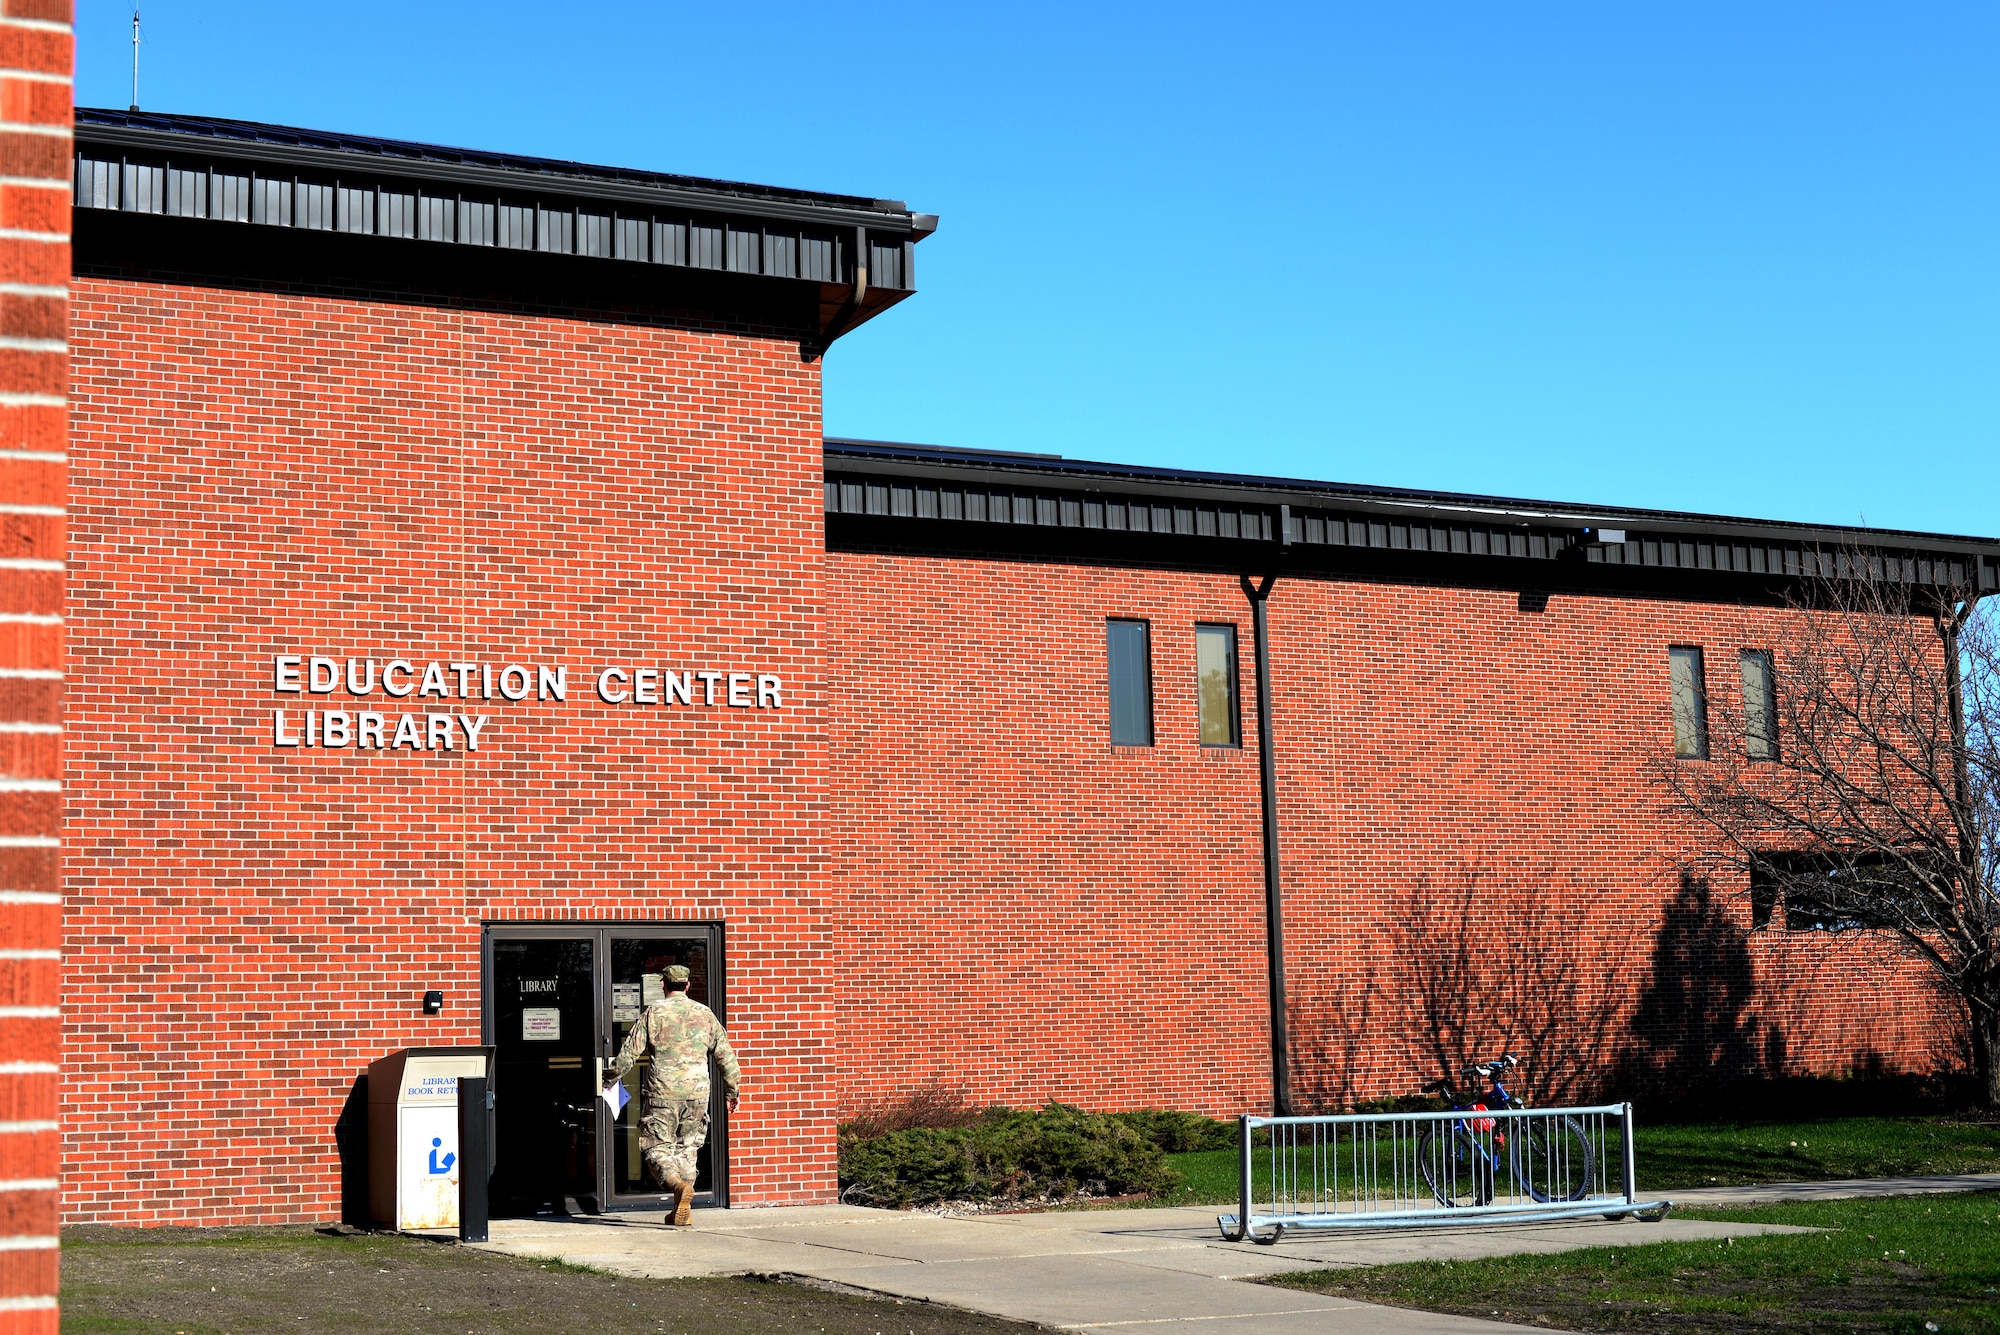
x=152 y=189
x=894 y=496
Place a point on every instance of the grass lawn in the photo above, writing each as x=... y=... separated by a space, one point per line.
x=1883 y=1265
x=1709 y=1155
x=211 y=1281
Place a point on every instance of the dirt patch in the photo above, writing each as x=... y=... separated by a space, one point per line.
x=219 y=1281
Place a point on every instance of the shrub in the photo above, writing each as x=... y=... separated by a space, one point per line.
x=1400 y=1103
x=1007 y=1154
x=1180 y=1132
x=936 y=1105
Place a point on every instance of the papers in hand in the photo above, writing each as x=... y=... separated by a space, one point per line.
x=615 y=1097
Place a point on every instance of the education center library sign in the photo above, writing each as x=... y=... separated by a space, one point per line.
x=426 y=708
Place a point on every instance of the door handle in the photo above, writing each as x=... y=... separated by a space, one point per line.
x=600 y=1074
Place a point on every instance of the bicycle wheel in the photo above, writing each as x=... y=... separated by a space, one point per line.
x=1455 y=1168
x=1554 y=1161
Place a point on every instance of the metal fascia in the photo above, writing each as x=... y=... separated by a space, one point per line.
x=337 y=161
x=997 y=473
x=1328 y=494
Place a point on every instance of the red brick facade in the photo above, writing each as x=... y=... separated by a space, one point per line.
x=35 y=47
x=248 y=926
x=1039 y=914
x=928 y=861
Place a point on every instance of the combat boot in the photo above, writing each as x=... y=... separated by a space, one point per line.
x=683 y=1198
x=683 y=1203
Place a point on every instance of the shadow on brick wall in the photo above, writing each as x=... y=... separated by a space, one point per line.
x=1693 y=1043
x=1691 y=1032
x=1476 y=964
x=350 y=1137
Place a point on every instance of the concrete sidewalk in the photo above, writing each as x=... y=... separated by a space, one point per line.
x=1097 y=1271
x=1844 y=1189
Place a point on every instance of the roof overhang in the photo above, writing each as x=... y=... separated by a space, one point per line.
x=245 y=202
x=886 y=496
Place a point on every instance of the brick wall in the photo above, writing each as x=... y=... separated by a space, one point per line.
x=248 y=926
x=1035 y=913
x=34 y=276
x=934 y=817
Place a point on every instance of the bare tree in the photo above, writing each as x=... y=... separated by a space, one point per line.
x=1863 y=791
x=1339 y=1056
x=1494 y=963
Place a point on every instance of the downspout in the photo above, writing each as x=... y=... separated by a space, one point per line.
x=1949 y=622
x=844 y=317
x=1267 y=777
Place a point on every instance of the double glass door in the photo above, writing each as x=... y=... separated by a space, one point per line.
x=559 y=1002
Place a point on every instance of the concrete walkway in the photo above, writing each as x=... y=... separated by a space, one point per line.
x=1135 y=1272
x=1844 y=1189
x=1132 y=1272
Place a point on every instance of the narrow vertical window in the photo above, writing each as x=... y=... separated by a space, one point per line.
x=1690 y=703
x=1760 y=706
x=1130 y=660
x=1215 y=682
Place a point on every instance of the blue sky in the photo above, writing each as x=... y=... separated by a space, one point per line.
x=1727 y=257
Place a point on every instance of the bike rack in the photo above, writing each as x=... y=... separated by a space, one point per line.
x=1428 y=1170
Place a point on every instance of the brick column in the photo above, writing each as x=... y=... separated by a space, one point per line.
x=35 y=101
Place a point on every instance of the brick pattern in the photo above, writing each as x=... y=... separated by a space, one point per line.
x=249 y=926
x=934 y=817
x=1039 y=914
x=35 y=48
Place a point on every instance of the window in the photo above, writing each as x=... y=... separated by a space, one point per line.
x=781 y=254
x=742 y=253
x=1130 y=659
x=397 y=214
x=315 y=206
x=270 y=202
x=476 y=222
x=1690 y=703
x=228 y=197
x=145 y=188
x=187 y=193
x=704 y=247
x=436 y=218
x=669 y=243
x=96 y=184
x=517 y=227
x=555 y=230
x=1760 y=713
x=629 y=237
x=1829 y=893
x=1215 y=680
x=355 y=209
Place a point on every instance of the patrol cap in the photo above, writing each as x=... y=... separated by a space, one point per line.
x=675 y=973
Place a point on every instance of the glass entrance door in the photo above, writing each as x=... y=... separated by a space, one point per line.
x=638 y=962
x=559 y=1002
x=541 y=999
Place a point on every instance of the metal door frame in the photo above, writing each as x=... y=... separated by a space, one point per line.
x=599 y=932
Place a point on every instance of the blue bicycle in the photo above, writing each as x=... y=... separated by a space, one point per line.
x=1549 y=1159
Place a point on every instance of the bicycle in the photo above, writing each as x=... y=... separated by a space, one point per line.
x=1547 y=1161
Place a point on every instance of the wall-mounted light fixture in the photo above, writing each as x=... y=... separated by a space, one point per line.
x=433 y=1003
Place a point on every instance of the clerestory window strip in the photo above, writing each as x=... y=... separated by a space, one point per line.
x=370 y=206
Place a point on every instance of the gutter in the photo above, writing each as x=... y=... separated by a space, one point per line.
x=333 y=161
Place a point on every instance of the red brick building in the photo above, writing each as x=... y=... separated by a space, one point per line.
x=35 y=49
x=467 y=617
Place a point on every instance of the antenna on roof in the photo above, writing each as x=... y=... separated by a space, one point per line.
x=135 y=60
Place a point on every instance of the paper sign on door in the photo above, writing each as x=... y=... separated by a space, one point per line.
x=541 y=1024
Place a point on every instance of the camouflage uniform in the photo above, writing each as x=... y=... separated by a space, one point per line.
x=680 y=1032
